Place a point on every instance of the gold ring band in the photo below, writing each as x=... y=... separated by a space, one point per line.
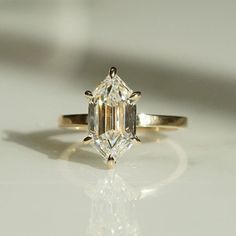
x=161 y=122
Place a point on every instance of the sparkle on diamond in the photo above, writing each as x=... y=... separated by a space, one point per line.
x=112 y=117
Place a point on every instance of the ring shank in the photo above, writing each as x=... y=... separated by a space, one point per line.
x=161 y=122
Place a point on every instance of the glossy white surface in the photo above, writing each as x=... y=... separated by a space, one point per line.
x=179 y=183
x=181 y=55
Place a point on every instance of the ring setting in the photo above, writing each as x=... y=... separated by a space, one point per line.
x=112 y=119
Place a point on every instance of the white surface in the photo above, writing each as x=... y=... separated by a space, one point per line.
x=198 y=34
x=184 y=184
x=180 y=54
x=195 y=34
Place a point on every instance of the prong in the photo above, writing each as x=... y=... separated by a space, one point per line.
x=88 y=94
x=112 y=72
x=136 y=139
x=110 y=162
x=87 y=140
x=134 y=97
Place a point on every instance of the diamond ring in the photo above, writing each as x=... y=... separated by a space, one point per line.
x=112 y=120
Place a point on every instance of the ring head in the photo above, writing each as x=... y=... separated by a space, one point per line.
x=112 y=117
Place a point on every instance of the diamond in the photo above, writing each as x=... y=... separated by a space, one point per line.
x=112 y=118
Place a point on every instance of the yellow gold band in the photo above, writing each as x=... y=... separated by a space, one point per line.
x=142 y=121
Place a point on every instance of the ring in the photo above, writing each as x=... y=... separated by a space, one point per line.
x=112 y=120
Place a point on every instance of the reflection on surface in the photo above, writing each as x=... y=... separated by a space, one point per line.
x=115 y=193
x=112 y=207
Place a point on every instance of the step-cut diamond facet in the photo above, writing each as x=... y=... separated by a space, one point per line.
x=112 y=118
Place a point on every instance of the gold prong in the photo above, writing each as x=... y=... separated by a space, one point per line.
x=136 y=139
x=110 y=162
x=87 y=140
x=134 y=97
x=88 y=94
x=112 y=72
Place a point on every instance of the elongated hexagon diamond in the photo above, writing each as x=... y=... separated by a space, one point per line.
x=112 y=118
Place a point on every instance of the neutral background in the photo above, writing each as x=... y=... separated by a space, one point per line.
x=180 y=54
